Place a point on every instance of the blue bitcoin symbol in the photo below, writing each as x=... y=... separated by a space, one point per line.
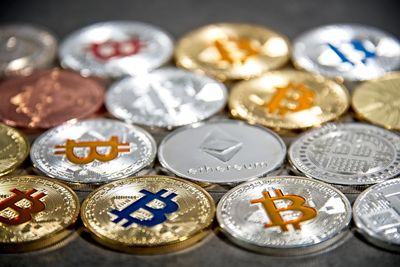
x=158 y=214
x=358 y=46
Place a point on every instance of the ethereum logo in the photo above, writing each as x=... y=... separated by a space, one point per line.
x=220 y=145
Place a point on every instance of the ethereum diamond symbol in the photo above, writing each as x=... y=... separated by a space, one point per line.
x=220 y=145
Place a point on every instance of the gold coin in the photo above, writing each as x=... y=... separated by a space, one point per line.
x=288 y=100
x=231 y=51
x=35 y=212
x=14 y=148
x=148 y=214
x=378 y=101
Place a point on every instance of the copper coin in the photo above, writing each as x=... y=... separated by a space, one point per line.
x=48 y=98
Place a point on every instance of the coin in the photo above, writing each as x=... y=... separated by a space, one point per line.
x=93 y=152
x=347 y=154
x=284 y=215
x=48 y=98
x=116 y=48
x=231 y=51
x=35 y=212
x=166 y=98
x=148 y=214
x=223 y=152
x=378 y=101
x=288 y=100
x=353 y=52
x=377 y=216
x=14 y=148
x=24 y=48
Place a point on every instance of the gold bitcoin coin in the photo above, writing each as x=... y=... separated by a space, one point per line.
x=35 y=212
x=288 y=100
x=232 y=51
x=14 y=148
x=378 y=101
x=148 y=214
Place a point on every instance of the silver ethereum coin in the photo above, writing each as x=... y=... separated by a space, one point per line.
x=224 y=152
x=347 y=154
x=91 y=152
x=284 y=215
x=376 y=214
x=25 y=48
x=116 y=48
x=354 y=52
x=166 y=98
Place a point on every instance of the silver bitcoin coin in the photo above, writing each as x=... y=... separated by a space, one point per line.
x=24 y=48
x=116 y=48
x=354 y=52
x=347 y=154
x=92 y=152
x=166 y=98
x=285 y=215
x=222 y=152
x=376 y=214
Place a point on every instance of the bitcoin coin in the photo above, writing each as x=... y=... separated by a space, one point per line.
x=93 y=152
x=347 y=154
x=166 y=98
x=284 y=215
x=224 y=152
x=231 y=51
x=353 y=52
x=288 y=100
x=14 y=148
x=35 y=212
x=378 y=101
x=148 y=214
x=116 y=48
x=377 y=214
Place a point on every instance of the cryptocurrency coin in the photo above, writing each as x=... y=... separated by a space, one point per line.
x=166 y=98
x=347 y=154
x=116 y=48
x=24 y=48
x=35 y=212
x=148 y=214
x=14 y=148
x=378 y=101
x=353 y=52
x=284 y=215
x=92 y=152
x=230 y=51
x=377 y=214
x=48 y=98
x=223 y=152
x=288 y=100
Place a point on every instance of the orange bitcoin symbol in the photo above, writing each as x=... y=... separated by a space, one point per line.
x=290 y=98
x=235 y=51
x=24 y=213
x=110 y=49
x=93 y=154
x=297 y=204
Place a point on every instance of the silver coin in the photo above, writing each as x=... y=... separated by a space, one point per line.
x=116 y=48
x=222 y=152
x=166 y=98
x=377 y=214
x=284 y=215
x=354 y=52
x=347 y=154
x=93 y=151
x=24 y=48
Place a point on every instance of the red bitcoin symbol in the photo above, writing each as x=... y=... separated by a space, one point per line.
x=112 y=49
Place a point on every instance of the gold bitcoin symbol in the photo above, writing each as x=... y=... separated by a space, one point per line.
x=273 y=212
x=235 y=51
x=290 y=98
x=93 y=154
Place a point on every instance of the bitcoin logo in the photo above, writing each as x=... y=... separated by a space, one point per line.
x=291 y=98
x=353 y=53
x=235 y=51
x=24 y=213
x=273 y=212
x=111 y=49
x=158 y=214
x=93 y=154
